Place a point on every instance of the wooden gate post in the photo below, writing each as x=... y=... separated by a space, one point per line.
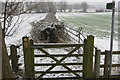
x=27 y=57
x=84 y=59
x=97 y=63
x=14 y=58
x=106 y=64
x=79 y=38
x=89 y=57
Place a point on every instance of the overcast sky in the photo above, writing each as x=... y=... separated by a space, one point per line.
x=64 y=0
x=88 y=0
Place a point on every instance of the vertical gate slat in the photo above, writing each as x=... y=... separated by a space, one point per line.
x=97 y=63
x=106 y=64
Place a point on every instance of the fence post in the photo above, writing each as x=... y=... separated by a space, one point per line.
x=89 y=56
x=79 y=33
x=27 y=57
x=14 y=58
x=106 y=64
x=32 y=59
x=97 y=63
x=84 y=58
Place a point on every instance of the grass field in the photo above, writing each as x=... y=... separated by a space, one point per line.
x=97 y=24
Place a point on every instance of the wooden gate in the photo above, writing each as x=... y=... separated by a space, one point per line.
x=87 y=59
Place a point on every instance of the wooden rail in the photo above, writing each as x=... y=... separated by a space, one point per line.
x=55 y=45
x=61 y=78
x=113 y=65
x=49 y=64
x=58 y=71
x=114 y=52
x=76 y=33
x=80 y=29
x=59 y=55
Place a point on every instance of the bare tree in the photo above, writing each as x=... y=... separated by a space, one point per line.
x=63 y=6
x=14 y=9
x=6 y=70
x=70 y=7
x=51 y=7
x=84 y=6
x=11 y=10
x=38 y=9
x=42 y=7
x=0 y=51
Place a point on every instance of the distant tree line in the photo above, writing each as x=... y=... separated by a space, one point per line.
x=62 y=6
x=44 y=7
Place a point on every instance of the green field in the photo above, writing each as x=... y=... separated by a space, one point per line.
x=97 y=24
